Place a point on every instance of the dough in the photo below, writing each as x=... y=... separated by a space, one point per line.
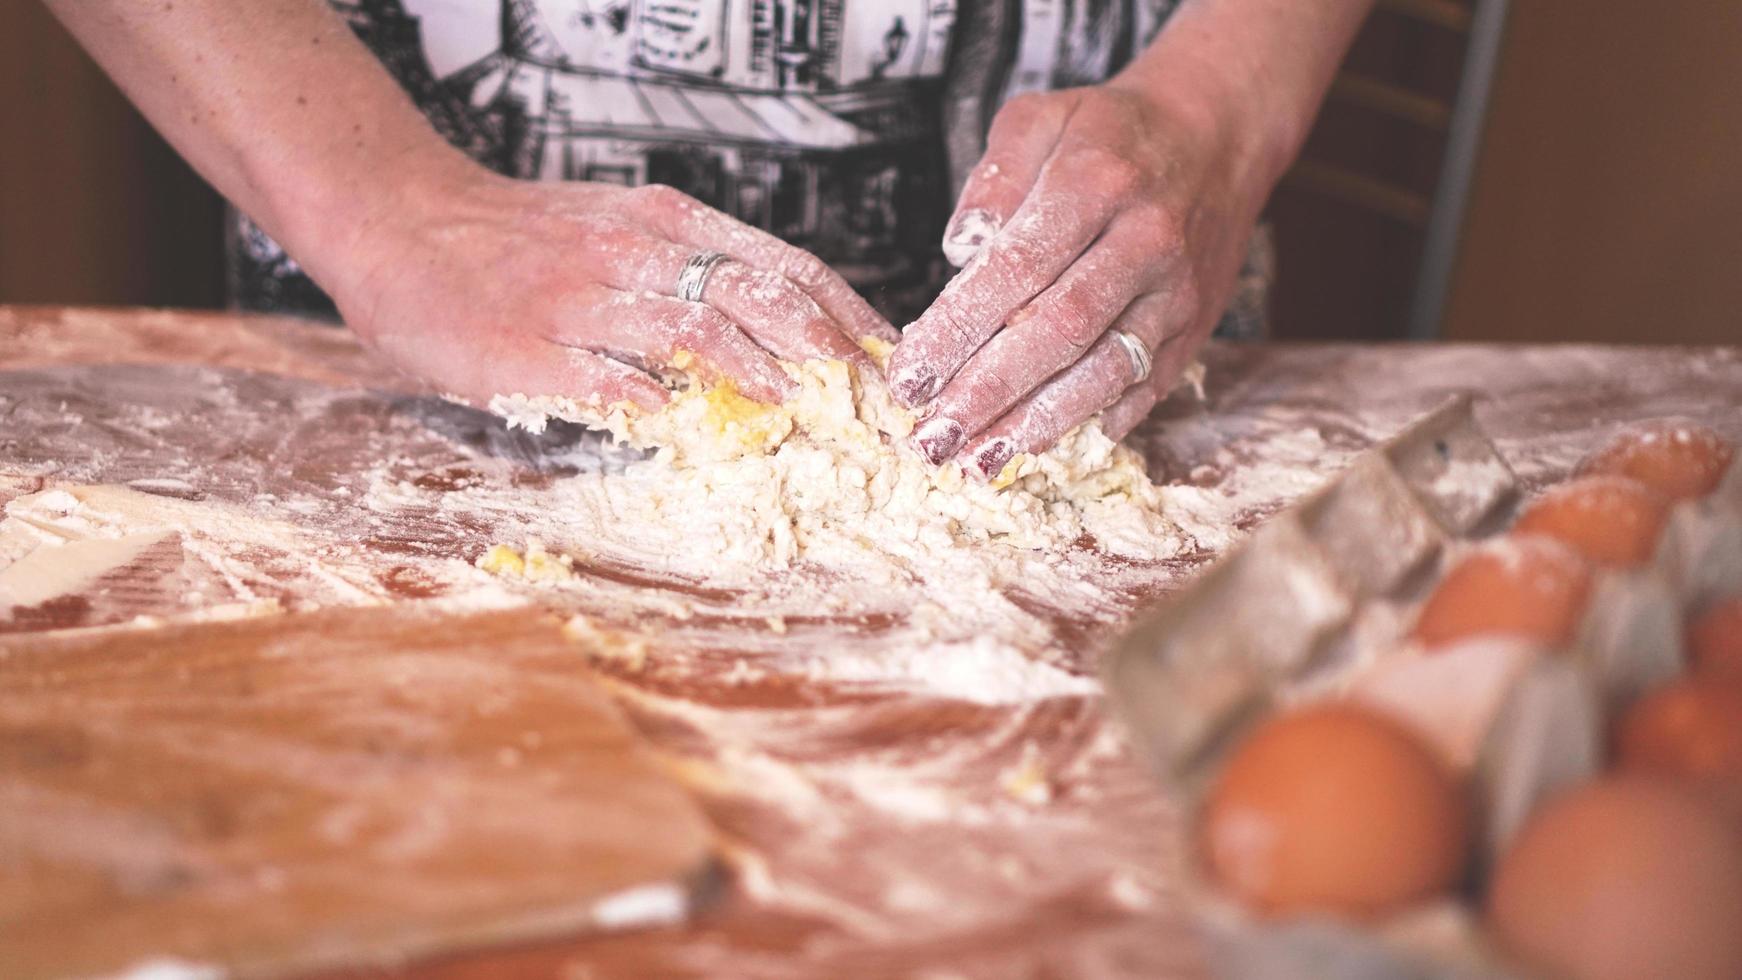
x=828 y=476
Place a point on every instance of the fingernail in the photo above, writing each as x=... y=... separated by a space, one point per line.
x=994 y=456
x=967 y=235
x=915 y=385
x=938 y=439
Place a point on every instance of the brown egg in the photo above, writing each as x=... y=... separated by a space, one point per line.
x=1690 y=729
x=1679 y=458
x=1611 y=520
x=1530 y=587
x=1335 y=809
x=1623 y=878
x=1715 y=640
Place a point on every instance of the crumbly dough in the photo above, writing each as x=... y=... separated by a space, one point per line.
x=535 y=564
x=828 y=475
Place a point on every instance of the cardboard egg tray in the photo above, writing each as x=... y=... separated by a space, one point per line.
x=1317 y=603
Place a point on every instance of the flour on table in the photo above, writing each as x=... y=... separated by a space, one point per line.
x=68 y=540
x=827 y=477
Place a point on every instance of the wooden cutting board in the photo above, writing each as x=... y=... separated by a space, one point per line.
x=337 y=787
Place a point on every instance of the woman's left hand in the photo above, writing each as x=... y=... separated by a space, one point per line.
x=1096 y=211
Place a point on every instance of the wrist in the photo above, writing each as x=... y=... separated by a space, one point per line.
x=1223 y=108
x=1260 y=67
x=339 y=219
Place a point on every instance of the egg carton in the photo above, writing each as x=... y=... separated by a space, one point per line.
x=1318 y=601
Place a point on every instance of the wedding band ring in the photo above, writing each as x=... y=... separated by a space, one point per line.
x=1137 y=351
x=692 y=279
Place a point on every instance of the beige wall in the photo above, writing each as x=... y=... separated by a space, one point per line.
x=1608 y=200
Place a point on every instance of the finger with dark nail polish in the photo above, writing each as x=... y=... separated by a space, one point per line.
x=939 y=439
x=915 y=386
x=992 y=456
x=969 y=233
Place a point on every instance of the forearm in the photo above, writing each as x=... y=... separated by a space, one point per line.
x=275 y=102
x=1265 y=65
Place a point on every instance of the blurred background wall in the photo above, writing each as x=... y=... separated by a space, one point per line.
x=1607 y=202
x=94 y=207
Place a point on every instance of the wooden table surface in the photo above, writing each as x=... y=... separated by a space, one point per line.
x=871 y=828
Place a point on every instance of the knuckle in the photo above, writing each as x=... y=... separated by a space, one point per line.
x=1023 y=114
x=607 y=241
x=1187 y=299
x=1071 y=325
x=1044 y=419
x=1011 y=263
x=994 y=388
x=1026 y=107
x=1124 y=177
x=761 y=283
x=1161 y=233
x=699 y=325
x=617 y=232
x=663 y=197
x=804 y=269
x=777 y=297
x=1107 y=170
x=607 y=259
x=1147 y=319
x=954 y=328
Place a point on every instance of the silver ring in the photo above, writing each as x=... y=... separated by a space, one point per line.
x=692 y=279
x=1137 y=351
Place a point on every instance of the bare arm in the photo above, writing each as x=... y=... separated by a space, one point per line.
x=273 y=101
x=481 y=284
x=1119 y=207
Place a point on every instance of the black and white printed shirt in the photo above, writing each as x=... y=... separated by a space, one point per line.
x=843 y=126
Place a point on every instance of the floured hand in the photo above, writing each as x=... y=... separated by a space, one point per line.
x=486 y=285
x=1093 y=211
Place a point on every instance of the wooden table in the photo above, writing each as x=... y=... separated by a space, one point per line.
x=872 y=828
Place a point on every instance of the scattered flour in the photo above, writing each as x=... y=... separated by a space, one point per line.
x=171 y=969
x=982 y=670
x=59 y=542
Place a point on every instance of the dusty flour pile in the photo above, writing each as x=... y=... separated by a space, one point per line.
x=827 y=478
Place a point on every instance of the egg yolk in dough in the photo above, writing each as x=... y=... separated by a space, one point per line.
x=1625 y=877
x=727 y=409
x=1611 y=520
x=1334 y=809
x=1529 y=587
x=1678 y=458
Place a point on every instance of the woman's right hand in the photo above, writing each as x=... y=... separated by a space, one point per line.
x=485 y=285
